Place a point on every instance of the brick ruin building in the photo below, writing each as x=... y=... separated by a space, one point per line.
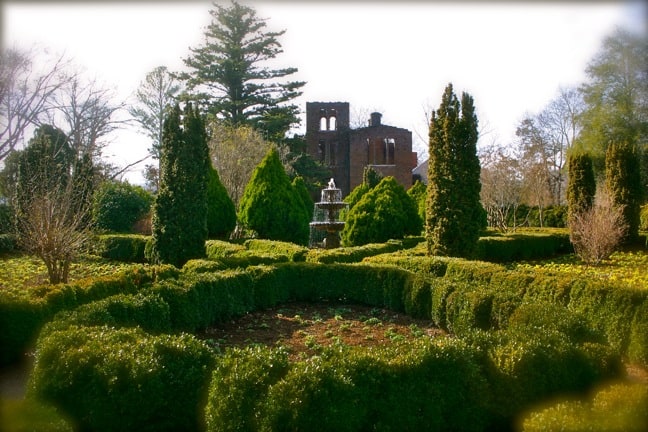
x=346 y=152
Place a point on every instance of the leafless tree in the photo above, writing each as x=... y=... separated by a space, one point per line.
x=598 y=231
x=52 y=228
x=86 y=111
x=235 y=151
x=501 y=186
x=25 y=93
x=546 y=137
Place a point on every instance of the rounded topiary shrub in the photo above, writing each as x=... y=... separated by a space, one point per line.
x=118 y=206
x=124 y=379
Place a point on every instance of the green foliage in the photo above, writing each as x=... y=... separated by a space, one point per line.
x=121 y=247
x=643 y=218
x=239 y=385
x=294 y=252
x=147 y=311
x=271 y=206
x=230 y=64
x=384 y=212
x=353 y=254
x=638 y=343
x=6 y=219
x=8 y=243
x=431 y=385
x=581 y=187
x=454 y=215
x=117 y=206
x=300 y=186
x=221 y=213
x=418 y=192
x=613 y=407
x=30 y=415
x=216 y=249
x=623 y=179
x=180 y=207
x=517 y=247
x=109 y=385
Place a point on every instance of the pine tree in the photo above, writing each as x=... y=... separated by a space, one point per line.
x=623 y=179
x=271 y=206
x=221 y=213
x=581 y=186
x=228 y=74
x=180 y=208
x=300 y=187
x=454 y=214
x=418 y=192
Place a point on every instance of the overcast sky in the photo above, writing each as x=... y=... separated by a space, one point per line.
x=392 y=57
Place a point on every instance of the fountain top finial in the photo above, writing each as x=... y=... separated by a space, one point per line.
x=331 y=184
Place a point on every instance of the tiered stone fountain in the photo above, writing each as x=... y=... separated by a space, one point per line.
x=326 y=218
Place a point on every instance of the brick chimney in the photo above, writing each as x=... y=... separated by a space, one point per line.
x=375 y=119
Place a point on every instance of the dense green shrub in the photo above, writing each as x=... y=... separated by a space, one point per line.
x=431 y=385
x=6 y=219
x=203 y=266
x=271 y=206
x=21 y=316
x=8 y=243
x=521 y=247
x=385 y=212
x=610 y=309
x=294 y=252
x=123 y=379
x=638 y=344
x=117 y=206
x=353 y=254
x=147 y=311
x=239 y=386
x=121 y=247
x=643 y=218
x=179 y=222
x=615 y=407
x=221 y=213
x=418 y=192
x=29 y=415
x=216 y=249
x=623 y=180
x=201 y=299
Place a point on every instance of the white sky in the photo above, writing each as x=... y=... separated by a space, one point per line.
x=393 y=57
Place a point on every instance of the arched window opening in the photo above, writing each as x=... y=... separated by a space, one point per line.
x=323 y=125
x=332 y=123
x=390 y=151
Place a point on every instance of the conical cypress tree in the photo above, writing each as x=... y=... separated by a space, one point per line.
x=581 y=186
x=271 y=206
x=454 y=216
x=384 y=212
x=302 y=190
x=623 y=178
x=221 y=213
x=180 y=208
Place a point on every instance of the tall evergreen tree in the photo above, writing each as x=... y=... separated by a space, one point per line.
x=622 y=175
x=271 y=206
x=180 y=208
x=228 y=76
x=454 y=214
x=581 y=186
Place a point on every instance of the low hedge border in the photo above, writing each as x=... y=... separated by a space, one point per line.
x=507 y=363
x=21 y=317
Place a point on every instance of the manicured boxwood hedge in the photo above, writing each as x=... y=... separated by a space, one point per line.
x=110 y=379
x=121 y=247
x=22 y=316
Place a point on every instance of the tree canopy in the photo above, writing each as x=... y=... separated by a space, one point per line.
x=180 y=207
x=454 y=215
x=230 y=77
